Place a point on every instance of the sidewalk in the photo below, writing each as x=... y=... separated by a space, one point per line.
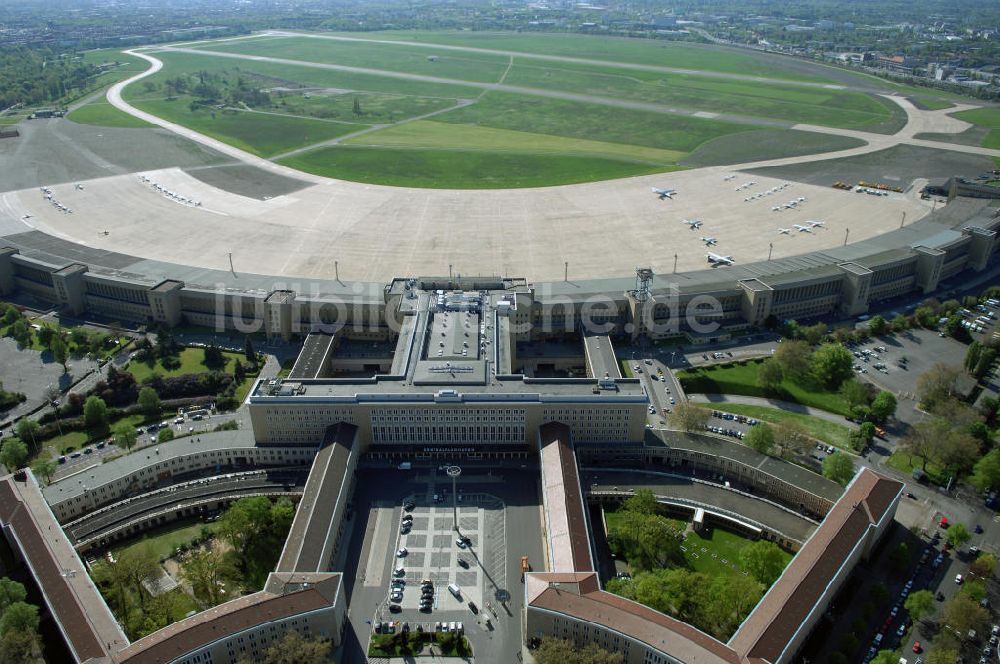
x=768 y=403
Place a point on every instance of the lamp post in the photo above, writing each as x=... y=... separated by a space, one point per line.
x=453 y=472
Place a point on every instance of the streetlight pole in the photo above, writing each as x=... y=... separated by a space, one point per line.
x=453 y=472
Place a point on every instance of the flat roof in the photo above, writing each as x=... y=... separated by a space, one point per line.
x=565 y=515
x=323 y=492
x=721 y=447
x=128 y=464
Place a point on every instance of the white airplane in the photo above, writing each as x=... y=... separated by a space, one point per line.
x=816 y=224
x=27 y=216
x=693 y=223
x=776 y=208
x=728 y=177
x=79 y=186
x=790 y=205
x=709 y=241
x=802 y=229
x=717 y=259
x=665 y=193
x=785 y=231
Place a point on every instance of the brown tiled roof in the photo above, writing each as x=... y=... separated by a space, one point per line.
x=772 y=625
x=564 y=504
x=220 y=622
x=306 y=540
x=72 y=599
x=653 y=628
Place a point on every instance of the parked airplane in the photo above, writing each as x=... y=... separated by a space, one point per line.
x=665 y=193
x=27 y=216
x=802 y=229
x=716 y=259
x=728 y=177
x=693 y=223
x=785 y=231
x=816 y=224
x=709 y=241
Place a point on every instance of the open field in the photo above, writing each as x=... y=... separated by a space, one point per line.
x=906 y=463
x=262 y=134
x=103 y=114
x=611 y=49
x=462 y=169
x=988 y=118
x=754 y=144
x=430 y=134
x=820 y=429
x=742 y=379
x=164 y=541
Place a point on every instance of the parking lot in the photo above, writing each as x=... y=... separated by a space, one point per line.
x=498 y=513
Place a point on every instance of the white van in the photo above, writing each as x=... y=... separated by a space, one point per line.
x=455 y=590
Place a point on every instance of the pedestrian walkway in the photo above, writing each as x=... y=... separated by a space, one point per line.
x=777 y=404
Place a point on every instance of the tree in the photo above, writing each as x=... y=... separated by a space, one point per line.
x=149 y=401
x=135 y=565
x=813 y=334
x=885 y=657
x=972 y=355
x=793 y=358
x=21 y=333
x=44 y=467
x=19 y=617
x=900 y=323
x=561 y=651
x=792 y=436
x=165 y=435
x=769 y=375
x=10 y=592
x=878 y=325
x=95 y=412
x=919 y=442
x=28 y=430
x=883 y=406
x=45 y=336
x=984 y=565
x=958 y=535
x=764 y=560
x=60 y=351
x=986 y=361
x=14 y=453
x=936 y=384
x=831 y=365
x=293 y=648
x=643 y=501
x=942 y=655
x=124 y=436
x=964 y=613
x=855 y=393
x=208 y=570
x=245 y=520
x=214 y=359
x=689 y=417
x=249 y=353
x=839 y=468
x=920 y=604
x=760 y=437
x=10 y=316
x=19 y=647
x=899 y=557
x=239 y=373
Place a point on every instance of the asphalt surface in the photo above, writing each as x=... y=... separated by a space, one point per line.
x=370 y=555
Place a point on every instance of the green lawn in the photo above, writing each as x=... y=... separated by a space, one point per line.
x=440 y=135
x=258 y=133
x=905 y=463
x=834 y=108
x=462 y=169
x=76 y=440
x=823 y=430
x=931 y=103
x=611 y=49
x=742 y=379
x=464 y=66
x=375 y=107
x=722 y=551
x=391 y=645
x=592 y=122
x=984 y=117
x=192 y=361
x=103 y=114
x=165 y=541
x=761 y=144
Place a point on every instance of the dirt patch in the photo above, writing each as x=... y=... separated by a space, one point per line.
x=246 y=180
